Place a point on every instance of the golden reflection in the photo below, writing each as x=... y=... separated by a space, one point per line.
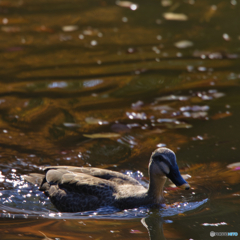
x=75 y=71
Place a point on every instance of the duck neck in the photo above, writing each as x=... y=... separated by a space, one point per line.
x=155 y=190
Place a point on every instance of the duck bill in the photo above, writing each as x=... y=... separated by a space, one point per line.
x=175 y=176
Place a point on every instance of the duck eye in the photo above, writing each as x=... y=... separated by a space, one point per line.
x=164 y=167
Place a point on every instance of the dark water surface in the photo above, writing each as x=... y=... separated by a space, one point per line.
x=103 y=84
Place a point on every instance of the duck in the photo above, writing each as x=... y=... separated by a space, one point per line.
x=78 y=189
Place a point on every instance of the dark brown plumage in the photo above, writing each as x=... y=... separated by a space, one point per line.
x=75 y=189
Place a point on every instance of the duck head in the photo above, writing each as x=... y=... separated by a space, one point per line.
x=163 y=163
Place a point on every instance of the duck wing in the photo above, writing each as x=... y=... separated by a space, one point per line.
x=112 y=176
x=75 y=191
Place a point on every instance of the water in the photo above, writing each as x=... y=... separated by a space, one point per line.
x=103 y=84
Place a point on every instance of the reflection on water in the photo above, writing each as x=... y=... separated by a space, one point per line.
x=102 y=84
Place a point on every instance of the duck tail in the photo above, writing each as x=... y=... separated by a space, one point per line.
x=34 y=178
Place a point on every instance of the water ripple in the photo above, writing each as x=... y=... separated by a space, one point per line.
x=101 y=213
